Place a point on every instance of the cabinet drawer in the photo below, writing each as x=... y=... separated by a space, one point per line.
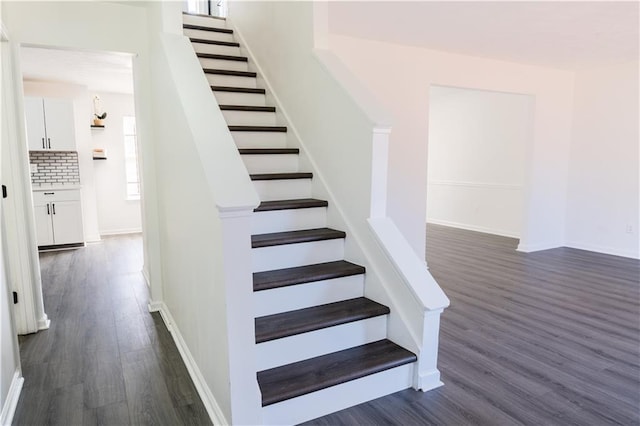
x=43 y=197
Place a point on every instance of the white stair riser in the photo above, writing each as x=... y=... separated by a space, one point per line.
x=208 y=35
x=268 y=163
x=260 y=139
x=223 y=64
x=204 y=21
x=216 y=49
x=289 y=189
x=300 y=296
x=250 y=118
x=291 y=255
x=288 y=220
x=231 y=81
x=336 y=398
x=235 y=98
x=320 y=342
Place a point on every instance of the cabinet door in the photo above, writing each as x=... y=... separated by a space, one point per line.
x=61 y=132
x=34 y=117
x=67 y=222
x=44 y=226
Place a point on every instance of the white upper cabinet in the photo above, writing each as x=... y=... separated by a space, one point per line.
x=50 y=125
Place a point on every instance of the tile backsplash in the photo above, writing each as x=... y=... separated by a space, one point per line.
x=59 y=168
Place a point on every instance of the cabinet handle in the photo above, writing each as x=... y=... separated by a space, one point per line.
x=43 y=145
x=48 y=212
x=53 y=206
x=49 y=142
x=49 y=193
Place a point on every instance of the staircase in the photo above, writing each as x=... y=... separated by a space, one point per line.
x=321 y=345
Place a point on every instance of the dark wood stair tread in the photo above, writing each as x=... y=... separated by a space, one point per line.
x=203 y=28
x=237 y=89
x=216 y=42
x=311 y=375
x=222 y=57
x=248 y=108
x=281 y=176
x=305 y=274
x=272 y=327
x=295 y=237
x=230 y=72
x=300 y=203
x=268 y=151
x=278 y=129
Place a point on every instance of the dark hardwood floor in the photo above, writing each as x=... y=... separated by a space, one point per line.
x=546 y=338
x=105 y=360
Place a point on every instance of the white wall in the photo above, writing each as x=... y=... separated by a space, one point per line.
x=603 y=181
x=477 y=142
x=116 y=214
x=81 y=108
x=401 y=76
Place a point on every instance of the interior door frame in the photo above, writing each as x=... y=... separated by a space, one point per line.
x=22 y=264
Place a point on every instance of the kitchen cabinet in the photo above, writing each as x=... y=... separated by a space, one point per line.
x=50 y=124
x=58 y=215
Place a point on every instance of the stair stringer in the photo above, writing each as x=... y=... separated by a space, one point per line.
x=409 y=319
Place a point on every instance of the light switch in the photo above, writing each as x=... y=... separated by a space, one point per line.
x=34 y=167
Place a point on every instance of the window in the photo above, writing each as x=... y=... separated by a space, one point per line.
x=131 y=158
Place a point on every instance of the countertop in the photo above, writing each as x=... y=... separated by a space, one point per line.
x=55 y=187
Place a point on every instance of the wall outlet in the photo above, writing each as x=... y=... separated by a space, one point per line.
x=34 y=167
x=629 y=229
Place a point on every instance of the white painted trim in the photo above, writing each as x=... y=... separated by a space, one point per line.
x=145 y=274
x=209 y=401
x=613 y=251
x=93 y=238
x=525 y=247
x=44 y=322
x=424 y=288
x=491 y=185
x=120 y=231
x=11 y=402
x=429 y=381
x=475 y=228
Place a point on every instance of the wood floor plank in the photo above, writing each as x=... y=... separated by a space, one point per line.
x=551 y=337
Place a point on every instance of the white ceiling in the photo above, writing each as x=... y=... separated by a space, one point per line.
x=559 y=34
x=99 y=71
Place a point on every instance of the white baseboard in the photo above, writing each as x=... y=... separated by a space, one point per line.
x=120 y=231
x=44 y=322
x=429 y=381
x=476 y=228
x=145 y=274
x=603 y=249
x=525 y=247
x=209 y=401
x=11 y=402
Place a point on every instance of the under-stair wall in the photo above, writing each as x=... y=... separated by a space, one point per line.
x=205 y=200
x=345 y=147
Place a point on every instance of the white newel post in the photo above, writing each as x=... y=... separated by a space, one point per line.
x=427 y=374
x=245 y=397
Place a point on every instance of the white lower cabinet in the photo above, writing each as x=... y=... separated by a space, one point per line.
x=58 y=215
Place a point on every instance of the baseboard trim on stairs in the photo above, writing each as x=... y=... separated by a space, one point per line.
x=209 y=401
x=11 y=402
x=429 y=381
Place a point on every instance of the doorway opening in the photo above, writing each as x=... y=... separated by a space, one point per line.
x=477 y=159
x=79 y=180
